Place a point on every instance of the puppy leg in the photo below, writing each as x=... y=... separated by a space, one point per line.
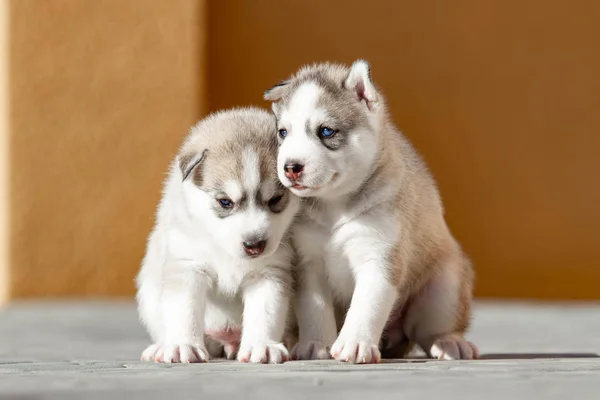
x=438 y=316
x=266 y=302
x=394 y=343
x=367 y=244
x=149 y=288
x=290 y=334
x=313 y=299
x=315 y=314
x=183 y=302
x=148 y=302
x=372 y=301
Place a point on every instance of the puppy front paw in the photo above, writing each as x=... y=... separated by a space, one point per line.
x=265 y=353
x=356 y=349
x=311 y=350
x=176 y=353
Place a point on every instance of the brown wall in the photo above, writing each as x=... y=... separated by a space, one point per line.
x=101 y=93
x=4 y=153
x=501 y=98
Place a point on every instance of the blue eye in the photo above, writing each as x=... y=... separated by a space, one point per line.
x=225 y=203
x=326 y=132
x=282 y=133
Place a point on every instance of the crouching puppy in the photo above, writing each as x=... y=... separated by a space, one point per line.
x=217 y=270
x=372 y=241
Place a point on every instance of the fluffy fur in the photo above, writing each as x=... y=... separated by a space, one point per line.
x=375 y=252
x=204 y=286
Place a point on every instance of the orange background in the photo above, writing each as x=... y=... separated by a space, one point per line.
x=500 y=98
x=101 y=93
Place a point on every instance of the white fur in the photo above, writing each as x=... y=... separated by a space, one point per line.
x=363 y=252
x=314 y=302
x=233 y=190
x=264 y=322
x=251 y=170
x=302 y=106
x=326 y=174
x=236 y=229
x=193 y=277
x=352 y=254
x=437 y=352
x=297 y=147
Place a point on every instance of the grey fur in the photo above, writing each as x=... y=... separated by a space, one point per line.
x=344 y=111
x=218 y=143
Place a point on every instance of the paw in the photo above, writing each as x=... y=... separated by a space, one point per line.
x=231 y=350
x=265 y=353
x=453 y=347
x=311 y=350
x=356 y=350
x=176 y=353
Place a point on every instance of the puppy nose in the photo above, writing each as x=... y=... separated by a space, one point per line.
x=293 y=171
x=256 y=248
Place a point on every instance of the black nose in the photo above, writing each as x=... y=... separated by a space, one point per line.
x=295 y=168
x=255 y=248
x=293 y=171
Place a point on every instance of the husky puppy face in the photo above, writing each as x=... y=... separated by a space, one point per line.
x=230 y=183
x=327 y=122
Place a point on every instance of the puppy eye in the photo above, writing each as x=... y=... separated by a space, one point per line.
x=225 y=203
x=282 y=133
x=326 y=132
x=275 y=200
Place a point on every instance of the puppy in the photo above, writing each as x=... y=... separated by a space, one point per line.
x=217 y=270
x=372 y=238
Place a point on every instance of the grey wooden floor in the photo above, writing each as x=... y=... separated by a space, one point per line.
x=84 y=350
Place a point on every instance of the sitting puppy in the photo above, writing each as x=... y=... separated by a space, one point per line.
x=372 y=239
x=217 y=271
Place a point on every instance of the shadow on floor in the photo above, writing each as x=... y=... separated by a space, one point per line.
x=530 y=356
x=501 y=356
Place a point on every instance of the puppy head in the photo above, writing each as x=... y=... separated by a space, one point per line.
x=230 y=183
x=328 y=119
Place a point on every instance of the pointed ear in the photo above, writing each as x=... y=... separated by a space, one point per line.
x=359 y=80
x=276 y=92
x=188 y=162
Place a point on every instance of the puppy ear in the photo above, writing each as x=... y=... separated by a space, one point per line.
x=276 y=92
x=276 y=108
x=188 y=162
x=359 y=80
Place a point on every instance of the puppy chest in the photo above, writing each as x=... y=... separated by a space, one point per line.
x=338 y=267
x=228 y=279
x=226 y=274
